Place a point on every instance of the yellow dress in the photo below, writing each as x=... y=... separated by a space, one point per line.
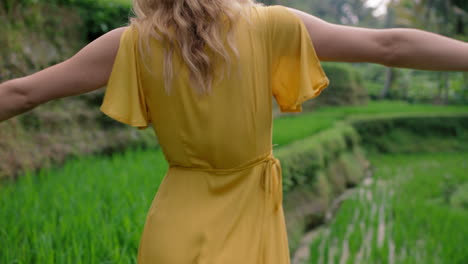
x=220 y=201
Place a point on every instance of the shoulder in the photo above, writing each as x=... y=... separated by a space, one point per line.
x=114 y=38
x=127 y=33
x=270 y=12
x=281 y=22
x=274 y=18
x=125 y=37
x=277 y=13
x=278 y=19
x=117 y=34
x=282 y=16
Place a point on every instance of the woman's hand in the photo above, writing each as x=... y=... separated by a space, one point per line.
x=86 y=71
x=397 y=47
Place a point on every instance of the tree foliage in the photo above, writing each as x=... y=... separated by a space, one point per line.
x=350 y=12
x=99 y=16
x=441 y=16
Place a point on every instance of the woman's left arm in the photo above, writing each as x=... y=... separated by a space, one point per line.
x=86 y=71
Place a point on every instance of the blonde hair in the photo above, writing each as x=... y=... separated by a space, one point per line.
x=187 y=26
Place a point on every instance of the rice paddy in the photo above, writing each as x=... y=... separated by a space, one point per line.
x=414 y=210
x=92 y=209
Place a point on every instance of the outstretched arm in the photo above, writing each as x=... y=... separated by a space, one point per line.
x=88 y=70
x=397 y=47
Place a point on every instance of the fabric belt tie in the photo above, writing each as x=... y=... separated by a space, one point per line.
x=272 y=180
x=271 y=176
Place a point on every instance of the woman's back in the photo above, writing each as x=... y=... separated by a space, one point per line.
x=221 y=199
x=232 y=125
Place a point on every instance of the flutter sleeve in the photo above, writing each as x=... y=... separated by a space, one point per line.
x=124 y=99
x=296 y=71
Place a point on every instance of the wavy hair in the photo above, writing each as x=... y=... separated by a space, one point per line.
x=195 y=29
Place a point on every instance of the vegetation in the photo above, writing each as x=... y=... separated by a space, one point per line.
x=106 y=198
x=97 y=17
x=32 y=41
x=63 y=129
x=315 y=171
x=302 y=159
x=412 y=212
x=288 y=128
x=346 y=87
x=37 y=34
x=318 y=168
x=352 y=12
x=409 y=133
x=90 y=211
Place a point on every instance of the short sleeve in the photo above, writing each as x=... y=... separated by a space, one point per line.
x=297 y=74
x=124 y=99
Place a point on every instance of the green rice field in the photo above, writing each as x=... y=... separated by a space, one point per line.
x=288 y=128
x=92 y=209
x=415 y=210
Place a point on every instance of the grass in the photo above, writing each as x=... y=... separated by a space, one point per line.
x=288 y=128
x=90 y=211
x=415 y=211
x=376 y=107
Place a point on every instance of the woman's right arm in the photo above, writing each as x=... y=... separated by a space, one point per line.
x=396 y=47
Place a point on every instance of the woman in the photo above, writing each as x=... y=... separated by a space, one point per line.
x=203 y=74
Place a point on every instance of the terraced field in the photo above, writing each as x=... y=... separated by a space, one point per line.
x=92 y=209
x=414 y=210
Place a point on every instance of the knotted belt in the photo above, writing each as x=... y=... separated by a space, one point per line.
x=271 y=175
